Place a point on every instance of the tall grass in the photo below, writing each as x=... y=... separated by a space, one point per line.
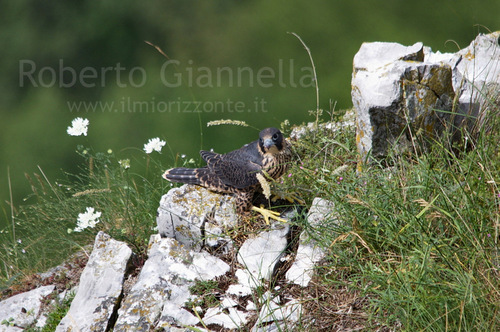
x=44 y=230
x=419 y=239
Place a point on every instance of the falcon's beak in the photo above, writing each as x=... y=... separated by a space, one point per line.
x=268 y=143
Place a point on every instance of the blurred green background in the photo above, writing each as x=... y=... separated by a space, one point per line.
x=130 y=84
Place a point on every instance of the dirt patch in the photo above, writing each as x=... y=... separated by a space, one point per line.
x=64 y=276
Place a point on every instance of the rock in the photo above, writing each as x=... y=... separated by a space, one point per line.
x=302 y=269
x=100 y=287
x=281 y=317
x=21 y=310
x=157 y=298
x=195 y=216
x=259 y=256
x=309 y=253
x=391 y=88
x=476 y=77
x=403 y=96
x=321 y=209
x=347 y=122
x=226 y=315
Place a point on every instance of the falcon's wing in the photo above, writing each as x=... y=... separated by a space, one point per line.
x=235 y=172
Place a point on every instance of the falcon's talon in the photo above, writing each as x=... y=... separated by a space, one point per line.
x=268 y=214
x=291 y=197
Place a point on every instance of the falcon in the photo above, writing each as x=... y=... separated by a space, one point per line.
x=236 y=172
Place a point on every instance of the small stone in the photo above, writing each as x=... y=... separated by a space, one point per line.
x=282 y=316
x=232 y=319
x=321 y=209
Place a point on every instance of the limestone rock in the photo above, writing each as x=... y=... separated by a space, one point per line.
x=259 y=256
x=391 y=88
x=276 y=317
x=308 y=252
x=226 y=315
x=195 y=216
x=321 y=209
x=302 y=269
x=476 y=77
x=23 y=309
x=403 y=96
x=157 y=298
x=100 y=287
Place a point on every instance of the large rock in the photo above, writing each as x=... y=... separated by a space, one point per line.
x=403 y=96
x=195 y=216
x=396 y=94
x=21 y=310
x=100 y=288
x=157 y=298
x=258 y=256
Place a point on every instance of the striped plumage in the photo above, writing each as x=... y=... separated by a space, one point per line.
x=236 y=172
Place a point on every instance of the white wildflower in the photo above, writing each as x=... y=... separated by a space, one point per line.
x=125 y=163
x=154 y=144
x=78 y=127
x=87 y=219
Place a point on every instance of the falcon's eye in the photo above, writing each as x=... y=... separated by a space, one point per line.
x=275 y=137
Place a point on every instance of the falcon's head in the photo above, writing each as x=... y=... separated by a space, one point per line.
x=271 y=141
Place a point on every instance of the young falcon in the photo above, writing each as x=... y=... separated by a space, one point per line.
x=236 y=172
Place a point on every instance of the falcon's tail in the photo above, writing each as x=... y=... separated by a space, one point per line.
x=182 y=175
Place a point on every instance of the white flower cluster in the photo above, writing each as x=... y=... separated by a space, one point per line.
x=78 y=127
x=87 y=219
x=125 y=163
x=154 y=144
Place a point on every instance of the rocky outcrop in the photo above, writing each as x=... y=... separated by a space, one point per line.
x=157 y=298
x=247 y=275
x=405 y=97
x=100 y=288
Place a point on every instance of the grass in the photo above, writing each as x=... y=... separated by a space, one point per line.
x=42 y=234
x=57 y=312
x=419 y=238
x=205 y=292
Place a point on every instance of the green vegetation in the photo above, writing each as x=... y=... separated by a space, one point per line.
x=57 y=312
x=420 y=238
x=43 y=234
x=205 y=292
